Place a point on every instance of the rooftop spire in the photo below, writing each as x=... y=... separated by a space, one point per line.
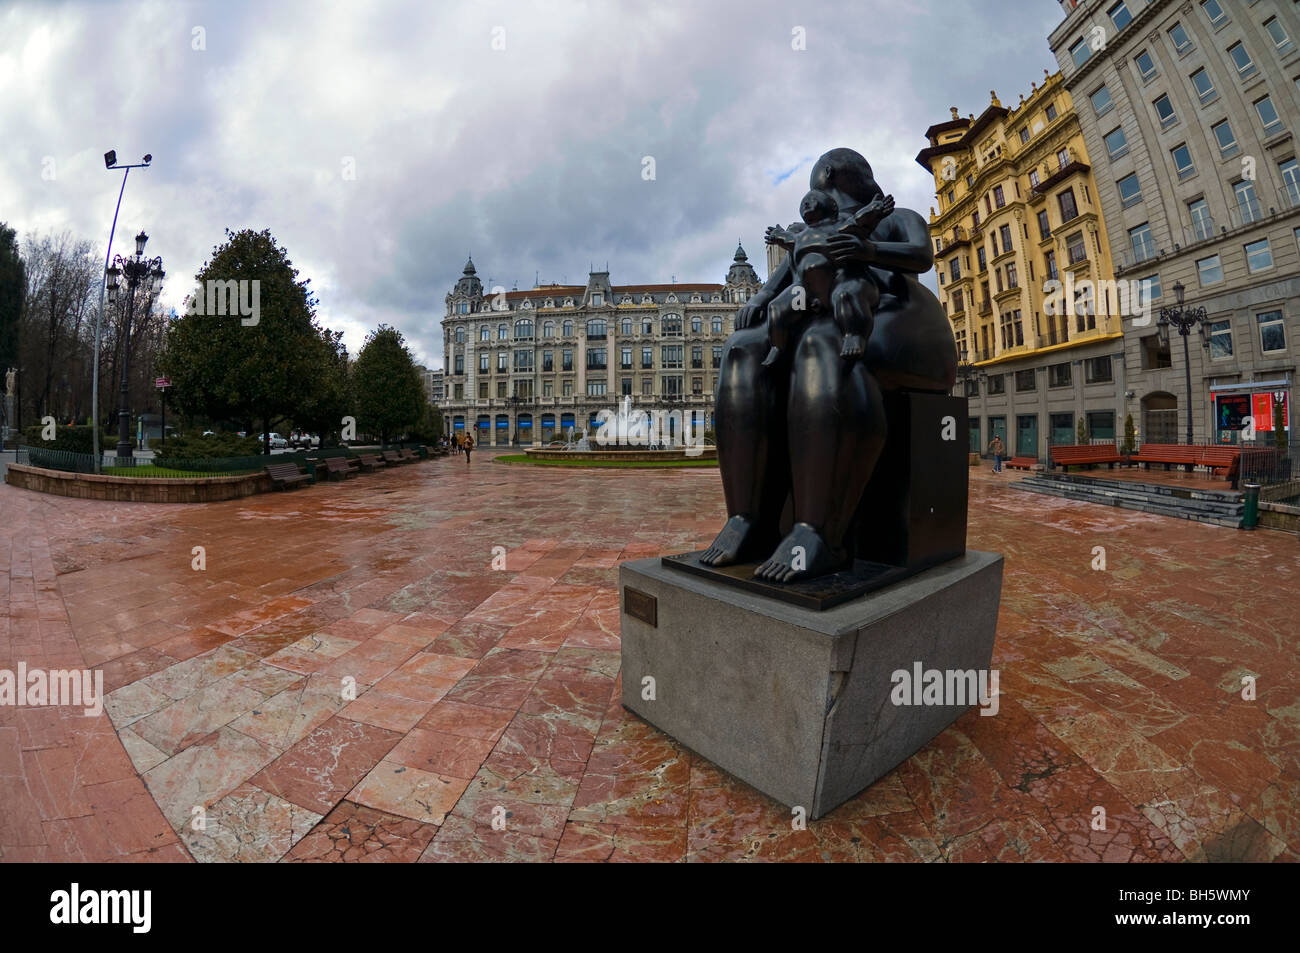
x=740 y=253
x=469 y=266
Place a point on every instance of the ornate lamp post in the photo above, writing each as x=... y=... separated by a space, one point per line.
x=136 y=269
x=1184 y=319
x=514 y=402
x=967 y=371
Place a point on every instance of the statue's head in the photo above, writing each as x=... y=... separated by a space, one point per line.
x=817 y=207
x=846 y=171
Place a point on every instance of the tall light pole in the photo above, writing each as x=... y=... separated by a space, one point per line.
x=136 y=269
x=110 y=163
x=1184 y=319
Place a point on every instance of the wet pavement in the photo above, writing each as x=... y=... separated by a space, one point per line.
x=339 y=673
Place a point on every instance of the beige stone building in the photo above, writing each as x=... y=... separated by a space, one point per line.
x=1189 y=112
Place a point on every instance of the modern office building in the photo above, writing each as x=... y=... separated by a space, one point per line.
x=530 y=366
x=1024 y=268
x=433 y=383
x=1189 y=112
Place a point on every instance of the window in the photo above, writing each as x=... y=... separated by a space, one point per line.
x=1290 y=170
x=524 y=360
x=1101 y=423
x=648 y=326
x=1202 y=224
x=1204 y=87
x=697 y=324
x=1213 y=11
x=1024 y=135
x=1247 y=204
x=1063 y=158
x=1220 y=340
x=982 y=257
x=597 y=299
x=647 y=387
x=1182 y=43
x=952 y=196
x=625 y=358
x=1069 y=211
x=1140 y=240
x=1241 y=59
x=625 y=386
x=483 y=388
x=595 y=358
x=460 y=363
x=998 y=384
x=716 y=356
x=483 y=363
x=548 y=329
x=566 y=360
x=1210 y=270
x=647 y=357
x=1146 y=66
x=954 y=268
x=1149 y=289
x=999 y=197
x=697 y=357
x=1119 y=15
x=503 y=333
x=697 y=386
x=485 y=333
x=671 y=385
x=1182 y=157
x=958 y=302
x=1130 y=191
x=503 y=362
x=1080 y=51
x=717 y=324
x=1277 y=33
x=1165 y=112
x=1050 y=111
x=1013 y=281
x=1227 y=141
x=625 y=326
x=672 y=325
x=1049 y=266
x=501 y=388
x=1272 y=332
x=566 y=329
x=1097 y=371
x=1026 y=380
x=566 y=388
x=1116 y=142
x=1268 y=116
x=1259 y=256
x=1101 y=101
x=596 y=328
x=596 y=388
x=1033 y=179
x=548 y=360
x=1058 y=375
x=671 y=355
x=1044 y=226
x=1077 y=248
x=523 y=329
x=1004 y=232
x=460 y=335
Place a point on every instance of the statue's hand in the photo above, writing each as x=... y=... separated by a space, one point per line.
x=752 y=312
x=845 y=248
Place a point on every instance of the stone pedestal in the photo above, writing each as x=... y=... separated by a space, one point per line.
x=801 y=703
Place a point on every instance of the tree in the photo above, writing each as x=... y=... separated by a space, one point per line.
x=62 y=275
x=1130 y=435
x=1280 y=436
x=324 y=413
x=265 y=366
x=1081 y=431
x=389 y=393
x=13 y=282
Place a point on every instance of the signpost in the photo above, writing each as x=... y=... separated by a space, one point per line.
x=162 y=383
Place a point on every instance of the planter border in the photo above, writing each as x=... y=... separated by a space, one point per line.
x=91 y=486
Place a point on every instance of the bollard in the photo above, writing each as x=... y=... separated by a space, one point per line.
x=1250 y=515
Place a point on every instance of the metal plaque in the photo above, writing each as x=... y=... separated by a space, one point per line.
x=641 y=605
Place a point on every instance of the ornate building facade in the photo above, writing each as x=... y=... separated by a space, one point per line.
x=1024 y=267
x=527 y=367
x=1190 y=111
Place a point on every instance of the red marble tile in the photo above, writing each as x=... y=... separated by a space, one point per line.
x=321 y=768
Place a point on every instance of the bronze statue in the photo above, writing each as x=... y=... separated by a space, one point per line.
x=804 y=433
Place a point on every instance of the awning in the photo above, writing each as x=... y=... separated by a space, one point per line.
x=566 y=420
x=548 y=420
x=1248 y=387
x=458 y=424
x=526 y=422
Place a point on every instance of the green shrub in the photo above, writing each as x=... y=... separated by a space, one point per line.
x=1130 y=435
x=70 y=438
x=208 y=448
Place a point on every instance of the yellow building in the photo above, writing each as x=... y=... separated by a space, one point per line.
x=1025 y=272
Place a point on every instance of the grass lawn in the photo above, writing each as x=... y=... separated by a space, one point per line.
x=620 y=464
x=157 y=472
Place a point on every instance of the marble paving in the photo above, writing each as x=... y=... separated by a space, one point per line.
x=341 y=674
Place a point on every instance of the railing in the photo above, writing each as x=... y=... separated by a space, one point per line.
x=1265 y=466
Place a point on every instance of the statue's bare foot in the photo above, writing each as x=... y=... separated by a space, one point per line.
x=852 y=347
x=726 y=548
x=772 y=356
x=803 y=554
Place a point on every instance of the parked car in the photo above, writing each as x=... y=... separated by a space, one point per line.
x=306 y=441
x=277 y=442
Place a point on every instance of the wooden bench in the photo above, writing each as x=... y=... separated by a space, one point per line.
x=391 y=456
x=410 y=456
x=1073 y=455
x=1223 y=461
x=286 y=474
x=1170 y=454
x=1021 y=463
x=369 y=462
x=336 y=468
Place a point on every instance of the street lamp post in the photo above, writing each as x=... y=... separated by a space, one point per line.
x=110 y=163
x=135 y=269
x=1184 y=319
x=514 y=401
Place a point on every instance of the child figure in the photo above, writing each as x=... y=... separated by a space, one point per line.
x=849 y=289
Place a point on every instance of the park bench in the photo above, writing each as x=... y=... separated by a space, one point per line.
x=369 y=462
x=391 y=456
x=286 y=474
x=408 y=455
x=1021 y=463
x=1080 y=454
x=1222 y=461
x=336 y=468
x=1170 y=454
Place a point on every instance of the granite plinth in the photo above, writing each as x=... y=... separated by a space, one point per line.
x=800 y=703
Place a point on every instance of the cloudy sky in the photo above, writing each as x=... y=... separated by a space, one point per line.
x=382 y=142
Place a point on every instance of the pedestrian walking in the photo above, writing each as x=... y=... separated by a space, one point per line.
x=998 y=449
x=469 y=446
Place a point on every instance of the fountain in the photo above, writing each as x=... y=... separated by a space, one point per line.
x=641 y=435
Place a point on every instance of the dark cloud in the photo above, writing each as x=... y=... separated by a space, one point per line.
x=530 y=157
